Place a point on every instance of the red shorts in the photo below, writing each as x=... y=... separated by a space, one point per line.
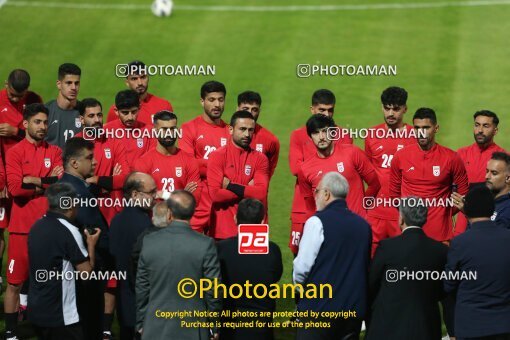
x=17 y=259
x=382 y=229
x=296 y=231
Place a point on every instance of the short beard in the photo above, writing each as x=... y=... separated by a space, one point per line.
x=167 y=143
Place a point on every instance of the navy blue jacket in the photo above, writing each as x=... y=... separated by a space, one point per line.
x=483 y=304
x=502 y=214
x=342 y=261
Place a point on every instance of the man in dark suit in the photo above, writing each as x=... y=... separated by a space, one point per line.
x=256 y=269
x=79 y=164
x=406 y=306
x=335 y=250
x=168 y=256
x=139 y=191
x=482 y=310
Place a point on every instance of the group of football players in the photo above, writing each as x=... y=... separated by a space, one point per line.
x=222 y=161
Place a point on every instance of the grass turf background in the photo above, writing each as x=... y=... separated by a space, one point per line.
x=452 y=59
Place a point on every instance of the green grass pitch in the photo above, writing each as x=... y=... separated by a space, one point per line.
x=451 y=58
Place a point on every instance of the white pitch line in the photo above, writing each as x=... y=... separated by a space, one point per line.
x=290 y=8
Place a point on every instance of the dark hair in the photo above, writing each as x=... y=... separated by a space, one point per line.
x=56 y=193
x=164 y=115
x=33 y=109
x=502 y=156
x=238 y=115
x=414 y=211
x=181 y=204
x=135 y=65
x=19 y=80
x=250 y=210
x=317 y=122
x=323 y=96
x=74 y=148
x=394 y=96
x=249 y=97
x=127 y=99
x=131 y=183
x=212 y=86
x=487 y=113
x=68 y=68
x=87 y=102
x=425 y=113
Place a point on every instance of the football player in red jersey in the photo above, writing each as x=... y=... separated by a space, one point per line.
x=432 y=172
x=137 y=80
x=301 y=148
x=31 y=166
x=263 y=140
x=476 y=155
x=234 y=172
x=380 y=151
x=346 y=159
x=171 y=168
x=201 y=137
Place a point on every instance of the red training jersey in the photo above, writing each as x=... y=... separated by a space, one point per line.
x=380 y=152
x=171 y=172
x=148 y=108
x=430 y=174
x=302 y=148
x=475 y=161
x=135 y=147
x=4 y=220
x=12 y=114
x=350 y=162
x=27 y=159
x=240 y=166
x=267 y=143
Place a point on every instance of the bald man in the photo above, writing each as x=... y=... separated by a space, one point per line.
x=139 y=193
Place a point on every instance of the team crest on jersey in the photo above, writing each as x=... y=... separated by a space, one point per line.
x=178 y=171
x=47 y=162
x=108 y=153
x=139 y=142
x=223 y=141
x=436 y=170
x=77 y=123
x=259 y=148
x=399 y=147
x=340 y=166
x=247 y=170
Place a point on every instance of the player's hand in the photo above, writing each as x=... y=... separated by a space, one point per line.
x=216 y=336
x=159 y=194
x=92 y=180
x=226 y=182
x=7 y=130
x=92 y=239
x=251 y=182
x=4 y=193
x=458 y=201
x=117 y=169
x=57 y=171
x=191 y=186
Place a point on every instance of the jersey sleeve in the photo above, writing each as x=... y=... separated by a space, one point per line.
x=260 y=180
x=273 y=155
x=194 y=176
x=395 y=177
x=305 y=186
x=14 y=174
x=367 y=172
x=2 y=174
x=143 y=164
x=459 y=175
x=111 y=114
x=296 y=157
x=215 y=176
x=120 y=158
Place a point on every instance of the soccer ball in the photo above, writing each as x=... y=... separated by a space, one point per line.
x=162 y=8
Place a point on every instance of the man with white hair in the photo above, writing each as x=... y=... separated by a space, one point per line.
x=335 y=249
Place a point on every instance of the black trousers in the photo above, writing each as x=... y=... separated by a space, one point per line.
x=340 y=329
x=490 y=337
x=70 y=332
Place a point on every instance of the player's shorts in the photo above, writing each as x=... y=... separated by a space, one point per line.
x=17 y=259
x=5 y=205
x=382 y=229
x=296 y=231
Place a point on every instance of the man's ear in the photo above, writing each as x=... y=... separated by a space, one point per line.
x=230 y=130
